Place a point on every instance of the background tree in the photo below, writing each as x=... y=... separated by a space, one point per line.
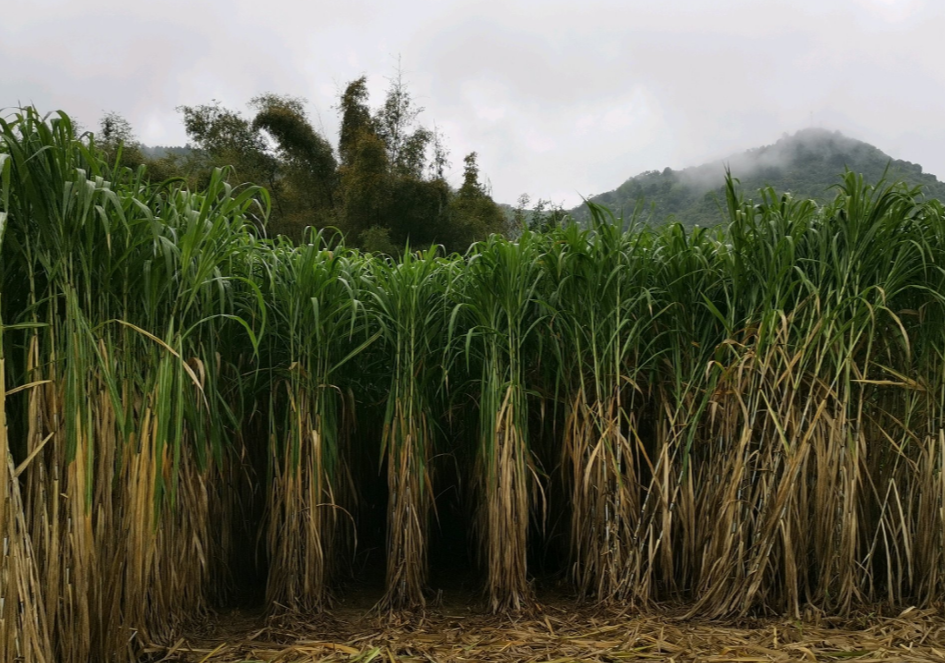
x=392 y=171
x=308 y=169
x=419 y=194
x=520 y=213
x=396 y=123
x=472 y=213
x=117 y=139
x=355 y=118
x=546 y=216
x=223 y=137
x=386 y=186
x=365 y=186
x=440 y=161
x=277 y=148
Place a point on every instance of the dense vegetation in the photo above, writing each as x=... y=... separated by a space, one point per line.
x=749 y=419
x=384 y=187
x=805 y=165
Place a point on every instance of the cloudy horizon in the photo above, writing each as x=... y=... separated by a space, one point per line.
x=559 y=102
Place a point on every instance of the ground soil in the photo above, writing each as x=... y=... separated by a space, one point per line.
x=559 y=631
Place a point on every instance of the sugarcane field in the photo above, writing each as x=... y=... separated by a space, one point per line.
x=605 y=440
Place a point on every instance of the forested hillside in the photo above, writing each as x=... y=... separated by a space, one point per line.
x=807 y=164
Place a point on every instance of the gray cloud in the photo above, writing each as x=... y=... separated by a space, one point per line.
x=560 y=99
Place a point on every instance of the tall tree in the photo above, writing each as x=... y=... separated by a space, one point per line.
x=440 y=161
x=546 y=215
x=365 y=186
x=386 y=186
x=396 y=124
x=355 y=119
x=473 y=215
x=278 y=148
x=117 y=139
x=384 y=161
x=224 y=137
x=307 y=162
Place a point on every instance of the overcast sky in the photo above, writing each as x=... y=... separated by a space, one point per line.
x=560 y=99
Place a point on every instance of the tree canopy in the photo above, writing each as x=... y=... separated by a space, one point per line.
x=384 y=187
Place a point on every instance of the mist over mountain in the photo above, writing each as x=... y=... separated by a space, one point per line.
x=806 y=164
x=162 y=151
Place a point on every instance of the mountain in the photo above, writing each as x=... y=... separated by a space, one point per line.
x=806 y=164
x=161 y=151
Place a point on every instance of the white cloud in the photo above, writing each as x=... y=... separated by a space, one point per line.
x=558 y=98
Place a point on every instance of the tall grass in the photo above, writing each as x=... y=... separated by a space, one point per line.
x=498 y=291
x=118 y=292
x=314 y=297
x=746 y=419
x=23 y=631
x=604 y=334
x=410 y=301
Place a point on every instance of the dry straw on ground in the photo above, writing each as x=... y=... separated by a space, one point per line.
x=561 y=633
